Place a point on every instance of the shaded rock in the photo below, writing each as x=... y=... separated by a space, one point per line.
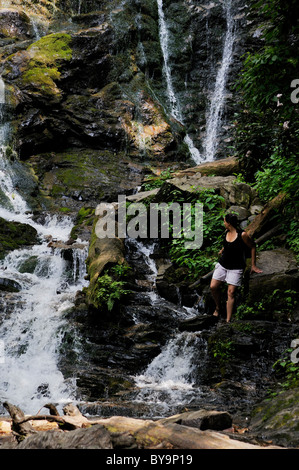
x=78 y=176
x=277 y=419
x=9 y=285
x=234 y=194
x=14 y=235
x=241 y=212
x=280 y=271
x=202 y=419
x=201 y=322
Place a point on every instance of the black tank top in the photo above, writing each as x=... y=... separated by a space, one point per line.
x=233 y=255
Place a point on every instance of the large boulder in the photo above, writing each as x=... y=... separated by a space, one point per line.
x=277 y=419
x=77 y=90
x=233 y=192
x=14 y=235
x=84 y=176
x=280 y=271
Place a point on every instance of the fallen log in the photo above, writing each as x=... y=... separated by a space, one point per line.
x=73 y=418
x=19 y=424
x=266 y=236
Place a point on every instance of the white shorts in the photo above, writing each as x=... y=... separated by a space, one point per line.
x=231 y=276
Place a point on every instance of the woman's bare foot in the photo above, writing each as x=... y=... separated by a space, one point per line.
x=216 y=313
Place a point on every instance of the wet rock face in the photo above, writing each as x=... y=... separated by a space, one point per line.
x=14 y=24
x=15 y=235
x=105 y=86
x=85 y=89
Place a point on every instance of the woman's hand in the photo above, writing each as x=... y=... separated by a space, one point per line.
x=255 y=269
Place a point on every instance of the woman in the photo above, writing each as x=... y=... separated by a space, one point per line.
x=231 y=264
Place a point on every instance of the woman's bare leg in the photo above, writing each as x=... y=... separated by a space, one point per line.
x=216 y=294
x=230 y=301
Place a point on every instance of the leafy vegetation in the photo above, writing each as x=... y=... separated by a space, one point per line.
x=222 y=351
x=200 y=261
x=266 y=129
x=279 y=303
x=287 y=370
x=269 y=118
x=108 y=291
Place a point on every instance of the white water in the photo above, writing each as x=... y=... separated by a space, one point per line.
x=33 y=330
x=32 y=322
x=218 y=97
x=2 y=91
x=173 y=101
x=168 y=381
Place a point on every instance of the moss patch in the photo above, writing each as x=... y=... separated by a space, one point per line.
x=46 y=56
x=14 y=235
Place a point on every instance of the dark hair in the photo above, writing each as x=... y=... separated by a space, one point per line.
x=232 y=219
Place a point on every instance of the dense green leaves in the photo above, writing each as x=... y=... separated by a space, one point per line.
x=201 y=261
x=269 y=118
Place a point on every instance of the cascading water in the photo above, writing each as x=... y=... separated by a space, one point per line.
x=217 y=100
x=218 y=97
x=32 y=321
x=175 y=107
x=169 y=381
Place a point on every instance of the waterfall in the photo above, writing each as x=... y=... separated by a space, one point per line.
x=2 y=91
x=35 y=29
x=33 y=323
x=217 y=100
x=9 y=195
x=218 y=97
x=175 y=107
x=168 y=383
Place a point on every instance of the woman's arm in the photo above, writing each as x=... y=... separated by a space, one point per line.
x=251 y=244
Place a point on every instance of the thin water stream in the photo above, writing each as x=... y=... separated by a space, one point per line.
x=218 y=96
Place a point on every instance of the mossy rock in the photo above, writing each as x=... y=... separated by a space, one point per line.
x=103 y=252
x=77 y=178
x=38 y=67
x=277 y=419
x=14 y=235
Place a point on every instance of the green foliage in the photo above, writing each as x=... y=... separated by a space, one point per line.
x=287 y=370
x=279 y=174
x=121 y=270
x=157 y=181
x=277 y=303
x=268 y=119
x=222 y=350
x=200 y=261
x=108 y=291
x=265 y=75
